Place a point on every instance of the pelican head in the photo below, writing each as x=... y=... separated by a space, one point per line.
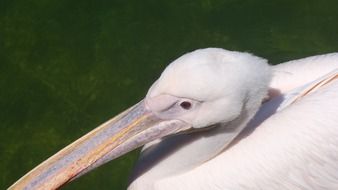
x=209 y=86
x=199 y=90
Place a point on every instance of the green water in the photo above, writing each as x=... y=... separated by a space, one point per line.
x=67 y=66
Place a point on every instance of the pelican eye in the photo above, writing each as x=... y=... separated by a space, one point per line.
x=185 y=105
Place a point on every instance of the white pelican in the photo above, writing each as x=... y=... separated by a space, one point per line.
x=191 y=115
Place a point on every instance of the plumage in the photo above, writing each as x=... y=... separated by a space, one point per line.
x=296 y=148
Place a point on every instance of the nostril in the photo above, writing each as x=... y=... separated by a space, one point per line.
x=185 y=105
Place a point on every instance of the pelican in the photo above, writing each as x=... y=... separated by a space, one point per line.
x=218 y=119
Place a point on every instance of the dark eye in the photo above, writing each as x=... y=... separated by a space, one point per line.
x=185 y=105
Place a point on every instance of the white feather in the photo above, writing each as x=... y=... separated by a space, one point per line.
x=295 y=147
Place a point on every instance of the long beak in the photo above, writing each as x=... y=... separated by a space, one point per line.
x=125 y=132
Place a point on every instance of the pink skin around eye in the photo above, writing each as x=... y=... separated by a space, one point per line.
x=160 y=102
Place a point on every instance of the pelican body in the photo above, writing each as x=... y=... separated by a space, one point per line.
x=218 y=119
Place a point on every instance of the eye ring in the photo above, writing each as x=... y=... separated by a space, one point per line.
x=186 y=105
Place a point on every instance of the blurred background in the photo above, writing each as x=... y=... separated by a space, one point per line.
x=67 y=66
